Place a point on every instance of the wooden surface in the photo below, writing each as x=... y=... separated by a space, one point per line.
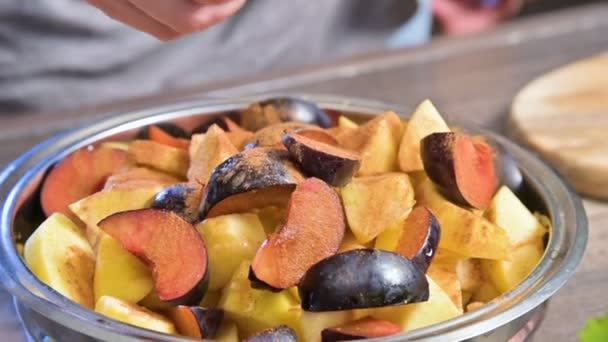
x=564 y=116
x=472 y=78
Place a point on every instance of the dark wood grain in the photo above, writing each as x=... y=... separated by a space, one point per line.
x=472 y=78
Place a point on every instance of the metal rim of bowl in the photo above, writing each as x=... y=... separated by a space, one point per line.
x=556 y=267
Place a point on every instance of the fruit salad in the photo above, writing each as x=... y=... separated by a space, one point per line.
x=288 y=223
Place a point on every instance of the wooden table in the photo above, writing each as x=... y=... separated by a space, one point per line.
x=471 y=78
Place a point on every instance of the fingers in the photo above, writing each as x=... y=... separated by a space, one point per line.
x=128 y=14
x=186 y=16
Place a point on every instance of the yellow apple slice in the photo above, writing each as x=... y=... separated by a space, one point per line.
x=133 y=314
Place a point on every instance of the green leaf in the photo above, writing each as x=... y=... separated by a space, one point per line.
x=595 y=330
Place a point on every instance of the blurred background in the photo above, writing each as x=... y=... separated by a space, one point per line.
x=65 y=54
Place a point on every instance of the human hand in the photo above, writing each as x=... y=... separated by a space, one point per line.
x=168 y=19
x=470 y=16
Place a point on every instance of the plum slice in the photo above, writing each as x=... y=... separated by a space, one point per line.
x=157 y=134
x=360 y=329
x=251 y=179
x=362 y=278
x=169 y=245
x=272 y=135
x=282 y=109
x=282 y=333
x=196 y=321
x=79 y=175
x=462 y=166
x=313 y=230
x=225 y=123
x=332 y=164
x=181 y=198
x=167 y=127
x=419 y=237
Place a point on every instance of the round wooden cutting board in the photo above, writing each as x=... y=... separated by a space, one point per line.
x=563 y=115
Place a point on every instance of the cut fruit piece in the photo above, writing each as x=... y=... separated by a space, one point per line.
x=332 y=164
x=223 y=122
x=211 y=298
x=100 y=205
x=158 y=135
x=438 y=308
x=485 y=293
x=373 y=203
x=419 y=237
x=183 y=199
x=170 y=246
x=227 y=332
x=359 y=330
x=462 y=166
x=283 y=109
x=425 y=120
x=152 y=302
x=462 y=231
x=313 y=230
x=449 y=283
x=210 y=151
x=376 y=142
x=139 y=177
x=252 y=179
x=59 y=255
x=317 y=135
x=345 y=122
x=271 y=217
x=79 y=175
x=281 y=333
x=469 y=274
x=160 y=157
x=256 y=310
x=313 y=323
x=196 y=321
x=507 y=211
x=505 y=275
x=133 y=314
x=167 y=127
x=338 y=282
x=230 y=239
x=271 y=136
x=120 y=274
x=350 y=242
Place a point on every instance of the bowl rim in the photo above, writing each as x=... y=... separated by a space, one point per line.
x=563 y=253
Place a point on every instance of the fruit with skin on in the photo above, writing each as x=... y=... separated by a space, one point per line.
x=209 y=151
x=120 y=274
x=462 y=167
x=60 y=256
x=97 y=206
x=79 y=175
x=133 y=314
x=462 y=231
x=373 y=203
x=271 y=136
x=230 y=239
x=360 y=329
x=386 y=278
x=313 y=230
x=313 y=323
x=182 y=199
x=196 y=321
x=281 y=333
x=251 y=179
x=425 y=120
x=255 y=310
x=174 y=161
x=170 y=246
x=438 y=308
x=332 y=164
x=376 y=142
x=283 y=109
x=419 y=237
x=167 y=127
x=158 y=135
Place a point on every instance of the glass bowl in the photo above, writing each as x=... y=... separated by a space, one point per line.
x=44 y=312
